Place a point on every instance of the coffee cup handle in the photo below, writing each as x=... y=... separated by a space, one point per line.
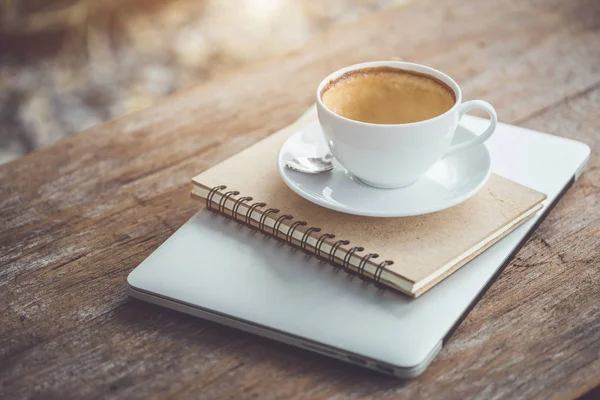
x=465 y=108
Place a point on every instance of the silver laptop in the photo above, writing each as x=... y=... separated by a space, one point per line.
x=216 y=270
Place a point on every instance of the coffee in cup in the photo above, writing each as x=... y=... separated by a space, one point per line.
x=386 y=95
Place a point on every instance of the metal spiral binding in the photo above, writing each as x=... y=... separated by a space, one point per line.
x=220 y=207
x=304 y=241
x=236 y=206
x=223 y=201
x=211 y=194
x=289 y=236
x=334 y=249
x=263 y=219
x=251 y=209
x=379 y=271
x=347 y=257
x=277 y=224
x=361 y=266
x=319 y=243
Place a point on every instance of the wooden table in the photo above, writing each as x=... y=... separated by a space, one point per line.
x=77 y=217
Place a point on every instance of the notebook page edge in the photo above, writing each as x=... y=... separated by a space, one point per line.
x=449 y=268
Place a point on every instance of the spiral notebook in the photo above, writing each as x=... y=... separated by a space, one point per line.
x=409 y=254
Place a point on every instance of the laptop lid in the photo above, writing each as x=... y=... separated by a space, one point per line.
x=215 y=266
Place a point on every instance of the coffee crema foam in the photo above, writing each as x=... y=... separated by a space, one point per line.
x=387 y=95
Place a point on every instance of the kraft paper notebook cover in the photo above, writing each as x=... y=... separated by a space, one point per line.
x=413 y=253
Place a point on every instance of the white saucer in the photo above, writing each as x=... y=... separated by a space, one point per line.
x=449 y=182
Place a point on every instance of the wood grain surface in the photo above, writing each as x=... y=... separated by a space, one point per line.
x=77 y=217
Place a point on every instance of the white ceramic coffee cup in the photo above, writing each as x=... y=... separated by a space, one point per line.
x=396 y=155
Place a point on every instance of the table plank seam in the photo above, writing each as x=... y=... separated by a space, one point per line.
x=557 y=103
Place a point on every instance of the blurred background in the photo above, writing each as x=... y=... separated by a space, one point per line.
x=66 y=65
